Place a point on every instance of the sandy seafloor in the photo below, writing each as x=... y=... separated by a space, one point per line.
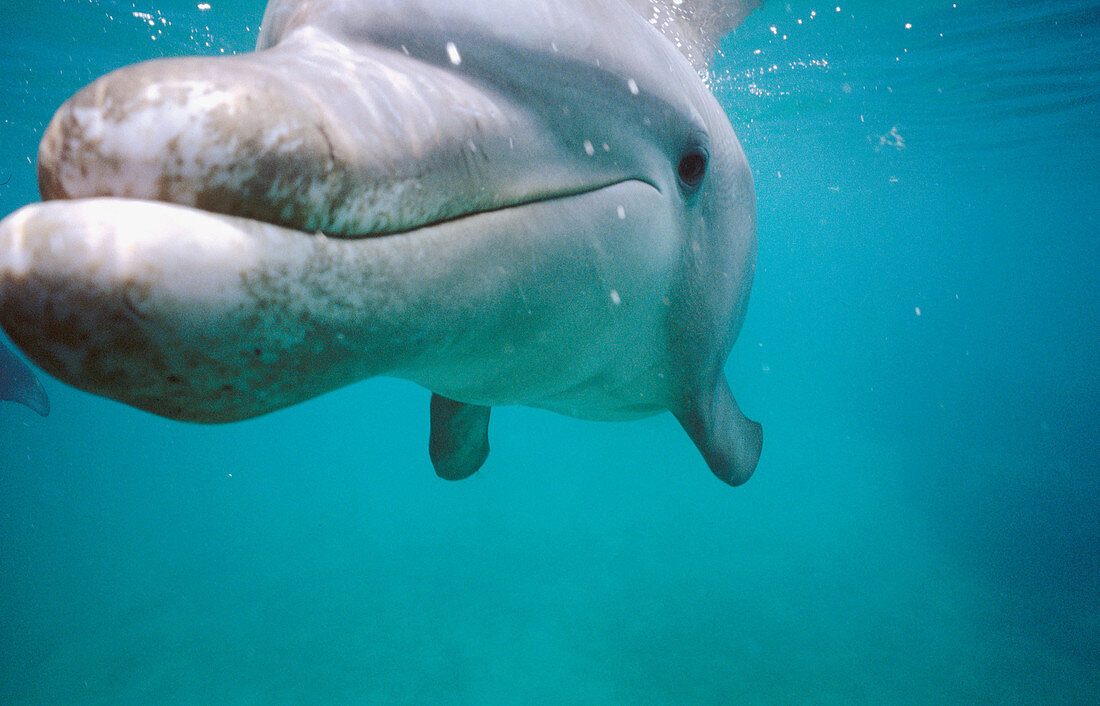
x=921 y=347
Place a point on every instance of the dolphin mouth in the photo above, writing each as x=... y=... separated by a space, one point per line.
x=549 y=197
x=456 y=219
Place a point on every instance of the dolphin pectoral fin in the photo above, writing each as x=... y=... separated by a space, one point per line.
x=459 y=439
x=729 y=441
x=19 y=384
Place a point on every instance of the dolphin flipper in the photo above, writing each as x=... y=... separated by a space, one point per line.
x=19 y=384
x=459 y=439
x=729 y=441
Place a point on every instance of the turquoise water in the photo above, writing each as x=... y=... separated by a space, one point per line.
x=921 y=347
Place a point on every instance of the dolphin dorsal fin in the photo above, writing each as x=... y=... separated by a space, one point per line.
x=695 y=26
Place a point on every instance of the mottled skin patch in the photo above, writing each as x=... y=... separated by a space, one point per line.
x=315 y=175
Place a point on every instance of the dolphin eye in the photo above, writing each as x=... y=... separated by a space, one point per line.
x=692 y=167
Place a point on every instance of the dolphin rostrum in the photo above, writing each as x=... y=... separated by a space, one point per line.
x=19 y=384
x=505 y=201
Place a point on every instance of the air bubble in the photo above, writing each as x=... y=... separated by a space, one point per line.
x=452 y=54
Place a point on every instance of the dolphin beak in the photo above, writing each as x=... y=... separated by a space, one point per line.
x=223 y=237
x=308 y=135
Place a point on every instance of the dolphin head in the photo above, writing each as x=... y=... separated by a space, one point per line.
x=506 y=202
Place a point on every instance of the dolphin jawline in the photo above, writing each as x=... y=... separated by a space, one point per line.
x=556 y=196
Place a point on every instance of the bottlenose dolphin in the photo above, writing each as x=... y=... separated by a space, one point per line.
x=505 y=201
x=19 y=384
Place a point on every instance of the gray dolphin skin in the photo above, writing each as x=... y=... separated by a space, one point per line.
x=19 y=384
x=504 y=201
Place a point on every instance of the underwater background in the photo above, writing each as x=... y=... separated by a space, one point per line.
x=922 y=348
